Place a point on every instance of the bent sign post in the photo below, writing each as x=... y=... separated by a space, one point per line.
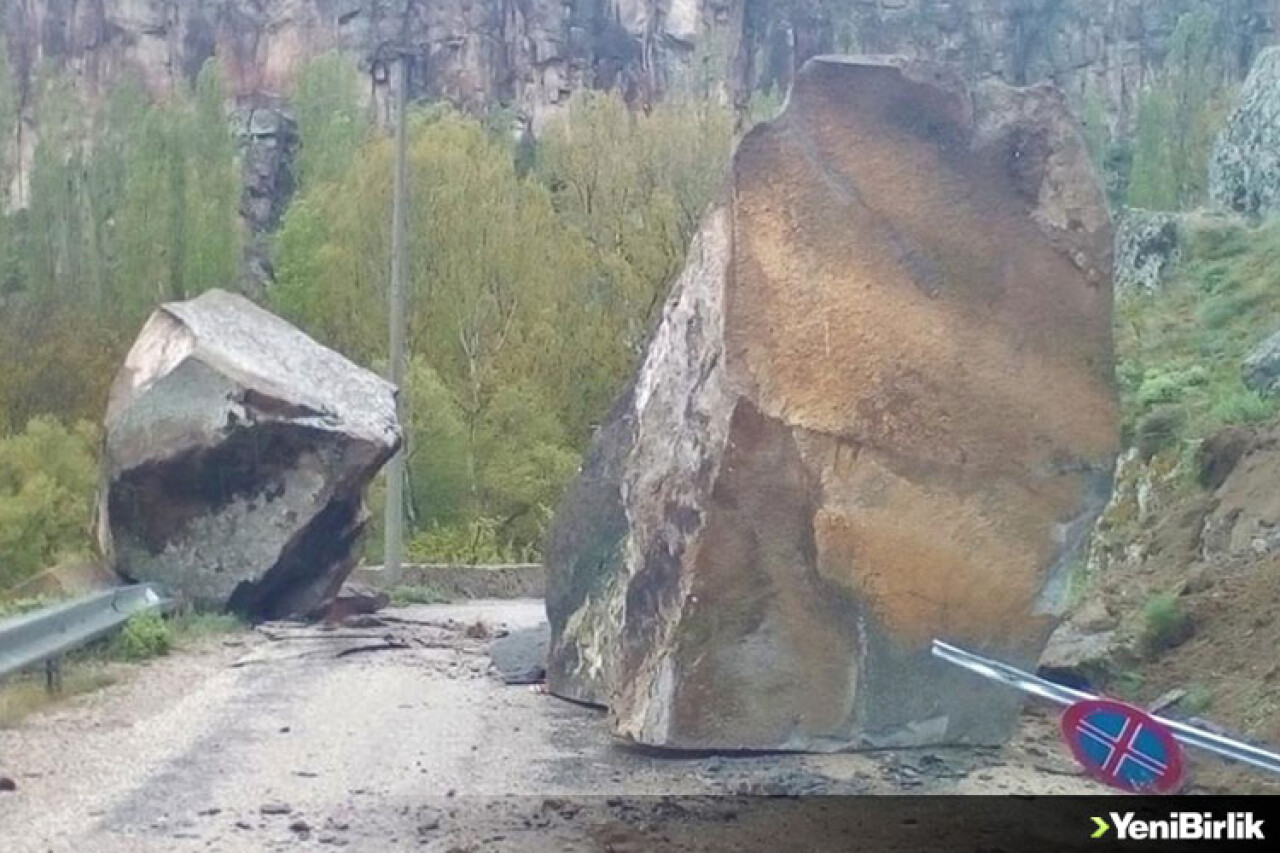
x=1178 y=732
x=1123 y=746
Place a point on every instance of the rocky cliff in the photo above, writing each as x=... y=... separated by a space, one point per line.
x=531 y=54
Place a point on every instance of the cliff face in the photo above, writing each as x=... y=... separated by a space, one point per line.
x=531 y=54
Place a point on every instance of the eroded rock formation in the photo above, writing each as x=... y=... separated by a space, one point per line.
x=530 y=56
x=1244 y=174
x=1148 y=247
x=878 y=409
x=237 y=455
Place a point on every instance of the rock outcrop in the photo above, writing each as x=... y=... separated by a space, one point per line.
x=267 y=138
x=1244 y=174
x=1244 y=520
x=1261 y=368
x=237 y=454
x=878 y=409
x=1148 y=246
x=529 y=57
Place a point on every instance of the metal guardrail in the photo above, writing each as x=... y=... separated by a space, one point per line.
x=45 y=635
x=1191 y=735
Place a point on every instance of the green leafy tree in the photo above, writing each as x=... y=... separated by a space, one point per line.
x=1179 y=117
x=331 y=122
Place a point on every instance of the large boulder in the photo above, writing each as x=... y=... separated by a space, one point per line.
x=1244 y=173
x=237 y=454
x=878 y=409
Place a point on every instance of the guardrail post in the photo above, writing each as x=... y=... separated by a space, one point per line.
x=53 y=675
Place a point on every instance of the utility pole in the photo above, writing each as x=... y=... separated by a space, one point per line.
x=393 y=546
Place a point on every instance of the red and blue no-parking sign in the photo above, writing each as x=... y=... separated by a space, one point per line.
x=1123 y=746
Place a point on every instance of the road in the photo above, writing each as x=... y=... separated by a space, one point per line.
x=315 y=741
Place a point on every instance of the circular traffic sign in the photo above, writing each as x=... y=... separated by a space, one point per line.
x=1123 y=746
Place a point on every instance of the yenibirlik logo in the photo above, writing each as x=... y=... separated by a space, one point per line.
x=1182 y=826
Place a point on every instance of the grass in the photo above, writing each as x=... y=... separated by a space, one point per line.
x=19 y=606
x=1181 y=350
x=25 y=695
x=1125 y=684
x=403 y=595
x=191 y=626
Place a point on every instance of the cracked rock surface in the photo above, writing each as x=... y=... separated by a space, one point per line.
x=237 y=455
x=878 y=409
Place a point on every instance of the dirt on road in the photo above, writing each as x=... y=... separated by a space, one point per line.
x=395 y=733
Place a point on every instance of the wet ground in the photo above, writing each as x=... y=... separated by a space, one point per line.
x=397 y=734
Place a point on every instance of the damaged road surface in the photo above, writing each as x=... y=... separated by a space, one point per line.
x=287 y=738
x=237 y=455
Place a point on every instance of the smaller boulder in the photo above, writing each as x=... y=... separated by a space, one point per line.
x=521 y=656
x=1081 y=650
x=1261 y=370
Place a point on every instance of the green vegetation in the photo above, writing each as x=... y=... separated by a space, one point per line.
x=403 y=595
x=525 y=321
x=1181 y=350
x=47 y=477
x=1164 y=623
x=26 y=694
x=144 y=636
x=1125 y=684
x=1179 y=117
x=191 y=626
x=130 y=203
x=1197 y=700
x=20 y=606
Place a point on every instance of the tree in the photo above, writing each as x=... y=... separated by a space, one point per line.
x=635 y=186
x=1179 y=118
x=331 y=123
x=131 y=203
x=487 y=295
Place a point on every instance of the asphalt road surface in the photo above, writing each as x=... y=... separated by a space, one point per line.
x=398 y=736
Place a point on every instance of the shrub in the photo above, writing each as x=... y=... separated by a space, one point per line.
x=1164 y=623
x=1168 y=386
x=144 y=636
x=1159 y=429
x=1197 y=700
